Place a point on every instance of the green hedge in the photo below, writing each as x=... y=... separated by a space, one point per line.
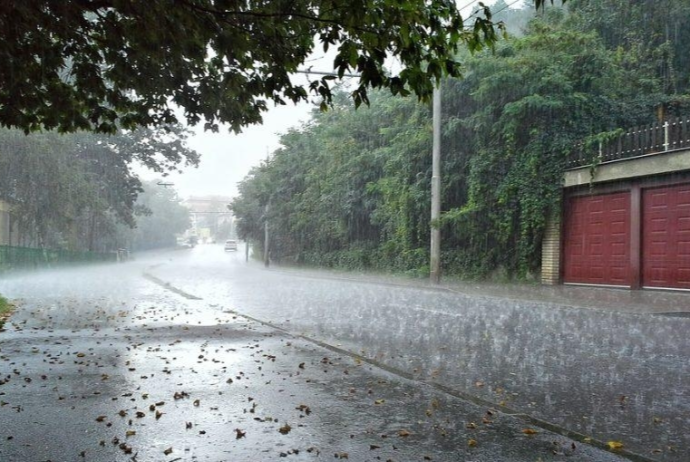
x=18 y=258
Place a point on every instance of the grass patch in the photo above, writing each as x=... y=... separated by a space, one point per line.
x=5 y=310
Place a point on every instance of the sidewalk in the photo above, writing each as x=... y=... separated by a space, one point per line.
x=660 y=302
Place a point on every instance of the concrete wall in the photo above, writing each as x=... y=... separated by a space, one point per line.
x=652 y=164
x=551 y=251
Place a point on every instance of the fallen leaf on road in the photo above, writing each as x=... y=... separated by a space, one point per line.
x=404 y=433
x=168 y=451
x=472 y=443
x=614 y=445
x=529 y=431
x=304 y=408
x=285 y=429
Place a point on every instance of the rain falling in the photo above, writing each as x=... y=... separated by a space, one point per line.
x=219 y=237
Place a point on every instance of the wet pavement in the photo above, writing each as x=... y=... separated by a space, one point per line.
x=106 y=365
x=614 y=373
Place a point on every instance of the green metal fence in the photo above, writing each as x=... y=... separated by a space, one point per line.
x=21 y=258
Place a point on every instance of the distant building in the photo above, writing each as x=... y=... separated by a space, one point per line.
x=211 y=218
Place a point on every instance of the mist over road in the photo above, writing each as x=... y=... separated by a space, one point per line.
x=104 y=364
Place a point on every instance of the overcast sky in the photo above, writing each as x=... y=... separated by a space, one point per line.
x=226 y=158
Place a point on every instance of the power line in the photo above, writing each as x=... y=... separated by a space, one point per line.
x=474 y=15
x=467 y=4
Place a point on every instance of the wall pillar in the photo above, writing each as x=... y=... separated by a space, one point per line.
x=551 y=251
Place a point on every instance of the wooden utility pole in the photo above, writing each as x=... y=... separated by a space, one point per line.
x=435 y=260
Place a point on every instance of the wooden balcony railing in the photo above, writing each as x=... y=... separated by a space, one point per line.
x=655 y=138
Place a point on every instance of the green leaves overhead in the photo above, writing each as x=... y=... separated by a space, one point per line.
x=102 y=64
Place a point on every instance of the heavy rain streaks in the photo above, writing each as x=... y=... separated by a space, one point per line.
x=142 y=373
x=602 y=372
x=467 y=240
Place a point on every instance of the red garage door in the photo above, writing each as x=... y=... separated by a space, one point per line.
x=597 y=240
x=666 y=237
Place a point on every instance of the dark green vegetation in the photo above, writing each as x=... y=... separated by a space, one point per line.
x=106 y=64
x=352 y=188
x=80 y=191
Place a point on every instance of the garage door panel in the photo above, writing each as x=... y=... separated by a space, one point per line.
x=684 y=275
x=666 y=237
x=597 y=240
x=618 y=250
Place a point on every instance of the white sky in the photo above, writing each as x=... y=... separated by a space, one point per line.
x=226 y=158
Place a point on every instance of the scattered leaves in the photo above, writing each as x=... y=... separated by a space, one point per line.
x=613 y=445
x=304 y=408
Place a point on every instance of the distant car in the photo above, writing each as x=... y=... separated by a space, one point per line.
x=230 y=244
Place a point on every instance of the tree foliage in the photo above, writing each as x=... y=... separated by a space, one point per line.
x=351 y=189
x=102 y=64
x=72 y=191
x=160 y=217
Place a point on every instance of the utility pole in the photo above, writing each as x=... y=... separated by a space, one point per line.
x=267 y=261
x=435 y=260
x=266 y=249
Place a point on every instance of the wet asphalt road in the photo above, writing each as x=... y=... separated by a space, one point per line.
x=105 y=365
